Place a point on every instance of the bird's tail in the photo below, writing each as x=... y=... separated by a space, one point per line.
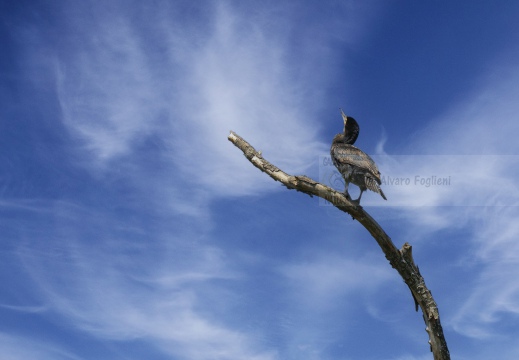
x=381 y=193
x=372 y=184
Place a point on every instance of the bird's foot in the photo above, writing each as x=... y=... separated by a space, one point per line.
x=358 y=200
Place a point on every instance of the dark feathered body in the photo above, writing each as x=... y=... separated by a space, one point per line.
x=354 y=165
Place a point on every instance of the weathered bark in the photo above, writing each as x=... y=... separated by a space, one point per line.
x=401 y=260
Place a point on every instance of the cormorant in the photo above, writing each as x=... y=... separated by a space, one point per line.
x=354 y=165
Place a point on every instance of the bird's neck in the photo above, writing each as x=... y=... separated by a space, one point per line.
x=344 y=139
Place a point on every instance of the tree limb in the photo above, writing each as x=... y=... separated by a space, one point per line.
x=401 y=260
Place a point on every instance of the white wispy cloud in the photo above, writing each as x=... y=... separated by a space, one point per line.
x=319 y=283
x=231 y=71
x=19 y=348
x=105 y=89
x=102 y=291
x=24 y=308
x=477 y=144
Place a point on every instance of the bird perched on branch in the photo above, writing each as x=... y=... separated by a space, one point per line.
x=354 y=165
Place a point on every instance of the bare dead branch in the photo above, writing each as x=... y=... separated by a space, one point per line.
x=401 y=260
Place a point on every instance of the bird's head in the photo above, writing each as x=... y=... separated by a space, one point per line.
x=351 y=129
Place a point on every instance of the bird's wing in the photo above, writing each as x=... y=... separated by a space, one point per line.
x=349 y=154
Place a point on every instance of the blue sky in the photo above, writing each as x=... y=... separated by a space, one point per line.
x=132 y=229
